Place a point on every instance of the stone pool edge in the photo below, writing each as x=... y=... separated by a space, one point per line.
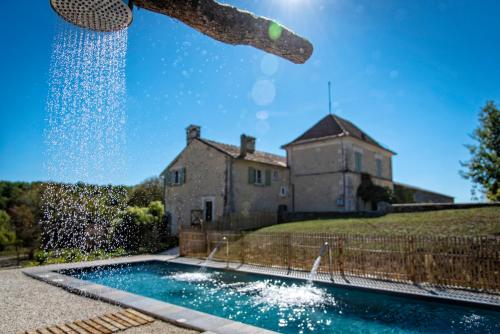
x=203 y=322
x=177 y=315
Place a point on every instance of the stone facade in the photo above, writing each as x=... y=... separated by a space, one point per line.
x=248 y=197
x=325 y=174
x=205 y=174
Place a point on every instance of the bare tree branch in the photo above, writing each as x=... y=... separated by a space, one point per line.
x=234 y=26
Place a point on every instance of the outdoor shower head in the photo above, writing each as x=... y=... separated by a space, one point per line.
x=97 y=15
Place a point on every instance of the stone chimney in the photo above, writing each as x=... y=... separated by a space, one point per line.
x=192 y=132
x=247 y=145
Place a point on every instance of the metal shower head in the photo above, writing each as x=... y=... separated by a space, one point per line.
x=98 y=15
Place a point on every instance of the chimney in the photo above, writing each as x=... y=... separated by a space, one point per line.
x=192 y=132
x=247 y=145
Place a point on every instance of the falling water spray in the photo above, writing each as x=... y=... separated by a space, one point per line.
x=84 y=136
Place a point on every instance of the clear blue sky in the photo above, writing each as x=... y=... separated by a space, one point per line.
x=413 y=74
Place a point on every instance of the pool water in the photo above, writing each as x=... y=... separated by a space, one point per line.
x=289 y=305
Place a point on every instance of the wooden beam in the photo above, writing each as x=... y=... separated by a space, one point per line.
x=105 y=324
x=231 y=25
x=113 y=322
x=139 y=314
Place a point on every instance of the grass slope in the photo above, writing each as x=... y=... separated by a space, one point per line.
x=464 y=222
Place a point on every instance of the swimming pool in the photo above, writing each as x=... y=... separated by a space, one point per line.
x=289 y=305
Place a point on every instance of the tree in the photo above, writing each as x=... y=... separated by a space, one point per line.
x=80 y=215
x=483 y=169
x=141 y=228
x=7 y=235
x=371 y=193
x=25 y=227
x=147 y=191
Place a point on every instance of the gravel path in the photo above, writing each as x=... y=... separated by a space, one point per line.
x=27 y=304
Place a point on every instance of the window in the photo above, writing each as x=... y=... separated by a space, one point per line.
x=178 y=177
x=276 y=175
x=284 y=191
x=378 y=165
x=258 y=177
x=358 y=161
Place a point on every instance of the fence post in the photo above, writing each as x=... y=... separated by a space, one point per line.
x=242 y=246
x=341 y=256
x=288 y=240
x=207 y=240
x=227 y=253
x=412 y=270
x=429 y=267
x=330 y=259
x=181 y=242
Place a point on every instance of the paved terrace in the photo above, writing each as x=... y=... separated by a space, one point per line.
x=28 y=304
x=202 y=322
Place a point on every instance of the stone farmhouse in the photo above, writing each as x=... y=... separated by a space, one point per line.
x=210 y=182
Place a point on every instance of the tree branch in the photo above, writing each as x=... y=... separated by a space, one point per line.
x=234 y=26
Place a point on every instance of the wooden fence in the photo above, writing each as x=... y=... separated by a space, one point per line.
x=468 y=262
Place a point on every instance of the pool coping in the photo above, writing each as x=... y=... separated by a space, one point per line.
x=204 y=322
x=177 y=315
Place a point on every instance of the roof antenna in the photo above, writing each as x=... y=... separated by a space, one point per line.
x=329 y=97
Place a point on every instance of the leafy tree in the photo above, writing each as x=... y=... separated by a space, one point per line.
x=7 y=235
x=148 y=191
x=370 y=192
x=25 y=227
x=141 y=228
x=483 y=169
x=4 y=221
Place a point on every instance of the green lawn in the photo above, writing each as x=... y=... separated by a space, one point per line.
x=464 y=222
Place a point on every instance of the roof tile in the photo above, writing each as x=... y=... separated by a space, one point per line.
x=335 y=126
x=257 y=156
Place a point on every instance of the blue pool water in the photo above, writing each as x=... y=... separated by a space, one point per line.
x=289 y=305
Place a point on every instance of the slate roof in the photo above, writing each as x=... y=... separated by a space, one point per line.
x=334 y=126
x=258 y=156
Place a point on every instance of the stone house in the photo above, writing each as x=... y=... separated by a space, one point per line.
x=210 y=181
x=326 y=163
x=213 y=182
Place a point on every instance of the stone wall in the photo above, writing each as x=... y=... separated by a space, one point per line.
x=248 y=198
x=418 y=207
x=206 y=170
x=418 y=195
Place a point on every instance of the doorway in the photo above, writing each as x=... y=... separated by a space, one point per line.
x=208 y=209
